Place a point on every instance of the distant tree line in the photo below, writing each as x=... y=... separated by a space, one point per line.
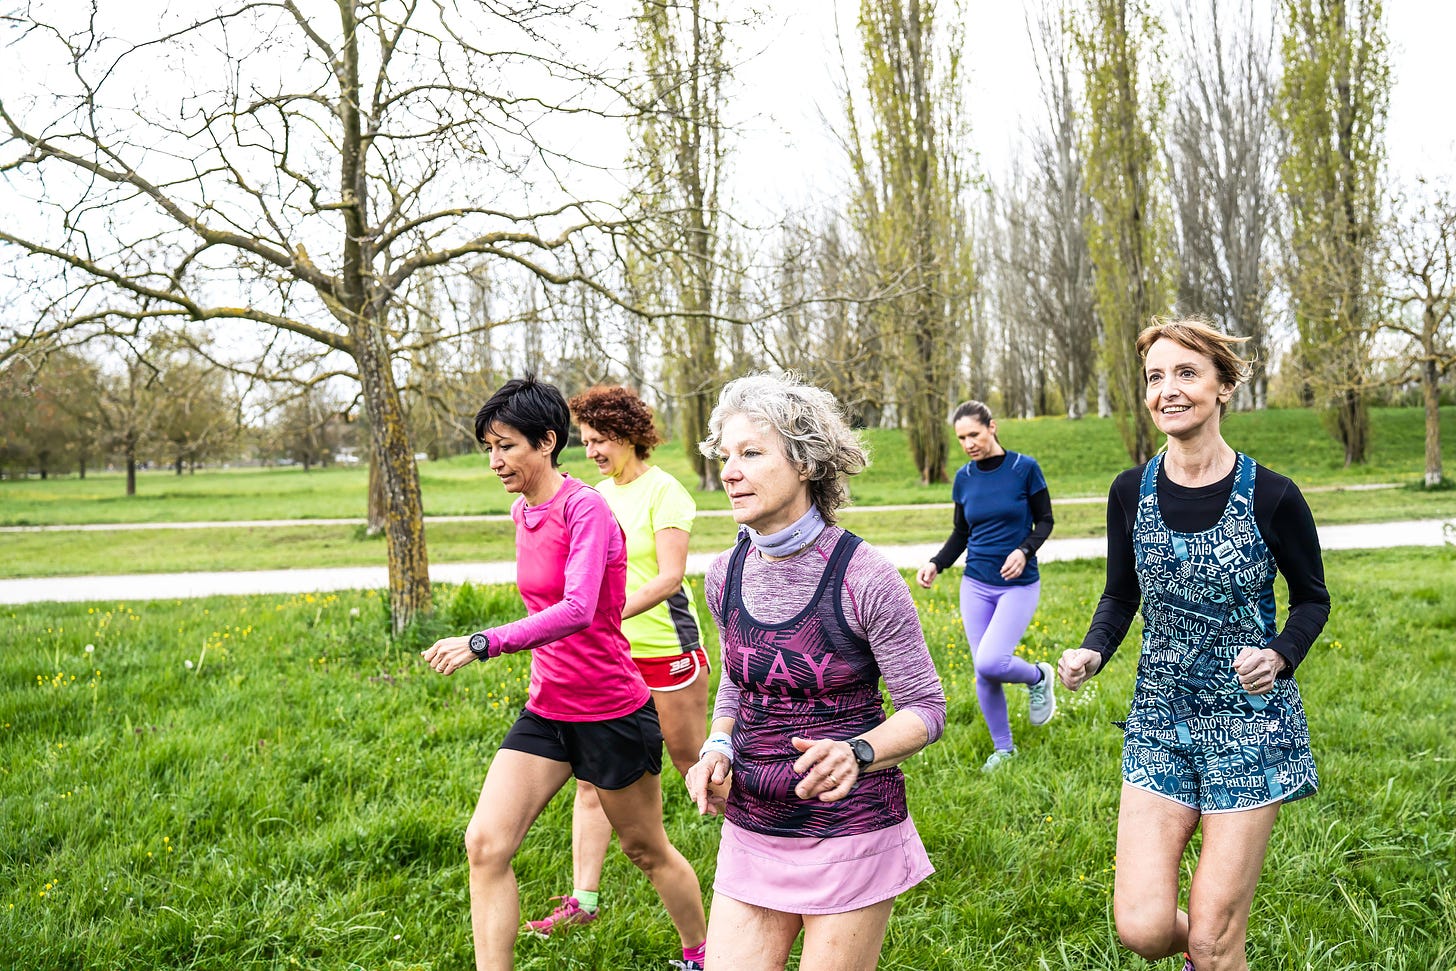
x=376 y=236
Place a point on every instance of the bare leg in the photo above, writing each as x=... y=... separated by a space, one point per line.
x=1152 y=832
x=636 y=814
x=517 y=787
x=591 y=836
x=748 y=938
x=1228 y=869
x=683 y=715
x=850 y=941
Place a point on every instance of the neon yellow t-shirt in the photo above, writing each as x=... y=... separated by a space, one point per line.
x=652 y=501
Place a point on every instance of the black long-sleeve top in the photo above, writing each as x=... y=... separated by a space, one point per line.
x=1039 y=504
x=1284 y=522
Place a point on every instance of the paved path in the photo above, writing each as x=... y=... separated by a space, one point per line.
x=153 y=586
x=505 y=517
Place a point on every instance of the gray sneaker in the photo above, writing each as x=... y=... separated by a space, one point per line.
x=1000 y=755
x=1043 y=695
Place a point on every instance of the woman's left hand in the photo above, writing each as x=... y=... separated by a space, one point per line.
x=828 y=766
x=1257 y=668
x=1014 y=565
x=449 y=654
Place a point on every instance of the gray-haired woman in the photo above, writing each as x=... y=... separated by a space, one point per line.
x=818 y=837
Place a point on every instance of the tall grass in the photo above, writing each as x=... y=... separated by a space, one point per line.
x=1079 y=458
x=271 y=782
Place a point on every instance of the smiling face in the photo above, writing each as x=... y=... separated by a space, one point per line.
x=978 y=441
x=768 y=492
x=613 y=456
x=520 y=467
x=1184 y=390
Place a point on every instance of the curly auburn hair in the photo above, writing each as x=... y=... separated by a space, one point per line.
x=619 y=414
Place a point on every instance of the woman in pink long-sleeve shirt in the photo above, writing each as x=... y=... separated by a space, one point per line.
x=588 y=712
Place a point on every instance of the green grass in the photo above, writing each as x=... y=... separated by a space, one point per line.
x=56 y=554
x=1079 y=458
x=296 y=797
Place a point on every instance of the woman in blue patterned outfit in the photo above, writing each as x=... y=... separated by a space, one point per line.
x=1216 y=734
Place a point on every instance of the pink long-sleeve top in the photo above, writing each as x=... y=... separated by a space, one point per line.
x=571 y=567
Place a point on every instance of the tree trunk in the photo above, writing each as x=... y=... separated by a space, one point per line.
x=81 y=466
x=130 y=474
x=399 y=481
x=1353 y=422
x=1431 y=391
x=178 y=465
x=376 y=515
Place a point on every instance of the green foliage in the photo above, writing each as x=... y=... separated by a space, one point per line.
x=910 y=211
x=680 y=153
x=1130 y=229
x=296 y=797
x=1333 y=101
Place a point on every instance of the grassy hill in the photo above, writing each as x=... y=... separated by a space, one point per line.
x=1079 y=459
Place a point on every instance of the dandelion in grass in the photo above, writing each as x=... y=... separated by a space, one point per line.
x=187 y=663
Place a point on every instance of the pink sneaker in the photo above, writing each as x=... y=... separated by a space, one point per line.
x=567 y=913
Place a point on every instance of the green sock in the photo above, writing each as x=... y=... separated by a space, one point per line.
x=587 y=899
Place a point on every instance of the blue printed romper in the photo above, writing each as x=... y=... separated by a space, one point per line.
x=1193 y=734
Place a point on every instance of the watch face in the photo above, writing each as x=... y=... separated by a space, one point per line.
x=864 y=753
x=479 y=644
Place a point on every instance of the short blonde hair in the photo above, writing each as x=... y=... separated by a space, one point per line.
x=808 y=420
x=1197 y=333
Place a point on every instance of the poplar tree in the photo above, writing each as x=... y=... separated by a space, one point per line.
x=910 y=183
x=680 y=152
x=1332 y=105
x=1129 y=228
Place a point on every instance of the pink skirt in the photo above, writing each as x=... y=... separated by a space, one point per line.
x=819 y=876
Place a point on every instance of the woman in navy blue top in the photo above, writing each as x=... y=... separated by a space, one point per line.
x=1003 y=513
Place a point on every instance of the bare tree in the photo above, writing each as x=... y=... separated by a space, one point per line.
x=1223 y=157
x=1059 y=209
x=1422 y=268
x=825 y=327
x=294 y=175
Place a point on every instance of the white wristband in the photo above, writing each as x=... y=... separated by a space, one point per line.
x=718 y=742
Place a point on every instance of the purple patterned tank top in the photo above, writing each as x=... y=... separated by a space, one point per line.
x=811 y=677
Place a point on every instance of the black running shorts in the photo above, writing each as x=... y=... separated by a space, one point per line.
x=609 y=754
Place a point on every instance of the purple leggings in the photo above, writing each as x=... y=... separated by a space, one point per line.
x=995 y=619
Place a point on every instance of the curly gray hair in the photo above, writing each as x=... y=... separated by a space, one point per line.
x=809 y=421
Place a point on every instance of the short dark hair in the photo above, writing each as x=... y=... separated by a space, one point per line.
x=532 y=408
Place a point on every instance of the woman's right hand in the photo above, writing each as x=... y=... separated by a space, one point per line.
x=708 y=782
x=1076 y=666
x=927 y=575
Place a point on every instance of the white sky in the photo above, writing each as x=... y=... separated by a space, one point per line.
x=790 y=86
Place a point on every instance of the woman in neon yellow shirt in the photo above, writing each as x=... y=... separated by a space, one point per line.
x=659 y=619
